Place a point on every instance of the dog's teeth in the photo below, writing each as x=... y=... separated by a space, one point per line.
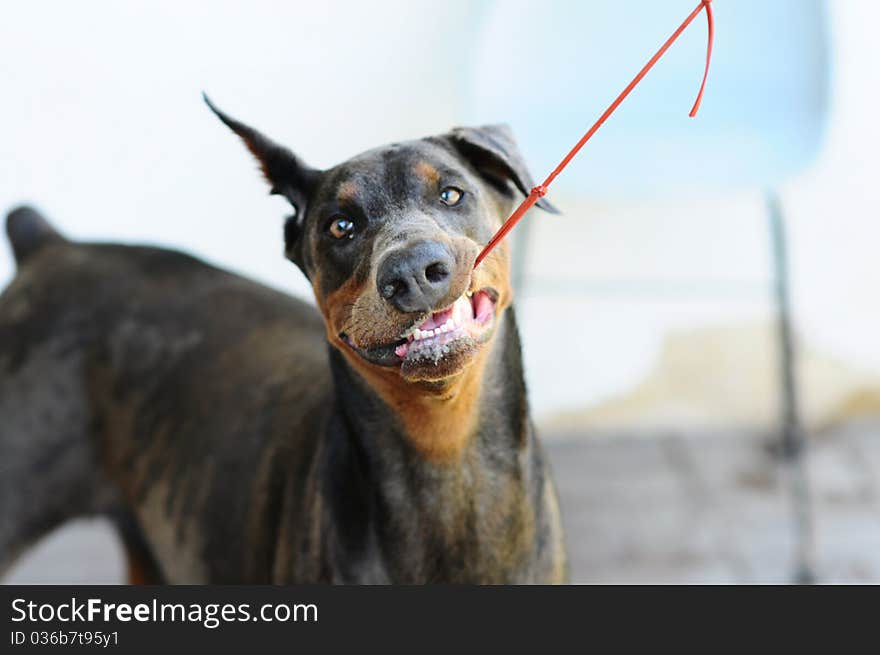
x=450 y=324
x=462 y=309
x=427 y=333
x=469 y=293
x=417 y=334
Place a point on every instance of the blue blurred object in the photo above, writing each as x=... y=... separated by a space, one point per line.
x=762 y=119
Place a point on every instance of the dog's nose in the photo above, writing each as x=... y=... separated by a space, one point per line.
x=416 y=278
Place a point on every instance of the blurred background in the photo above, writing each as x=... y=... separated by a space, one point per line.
x=655 y=311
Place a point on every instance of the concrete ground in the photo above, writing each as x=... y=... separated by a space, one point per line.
x=671 y=508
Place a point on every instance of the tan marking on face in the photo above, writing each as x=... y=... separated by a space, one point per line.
x=346 y=193
x=427 y=172
x=336 y=307
x=358 y=311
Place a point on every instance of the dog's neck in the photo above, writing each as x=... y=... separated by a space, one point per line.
x=468 y=500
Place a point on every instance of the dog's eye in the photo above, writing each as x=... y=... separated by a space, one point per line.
x=341 y=228
x=451 y=196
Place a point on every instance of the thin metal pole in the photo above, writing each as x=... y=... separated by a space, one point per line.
x=793 y=444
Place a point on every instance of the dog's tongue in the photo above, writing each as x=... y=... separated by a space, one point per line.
x=483 y=307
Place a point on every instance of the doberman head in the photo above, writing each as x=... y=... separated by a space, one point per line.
x=388 y=241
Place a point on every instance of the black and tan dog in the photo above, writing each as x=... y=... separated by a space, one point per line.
x=207 y=417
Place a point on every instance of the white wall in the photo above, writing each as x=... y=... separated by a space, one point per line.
x=102 y=123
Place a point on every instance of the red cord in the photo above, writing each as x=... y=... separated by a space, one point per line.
x=541 y=189
x=711 y=23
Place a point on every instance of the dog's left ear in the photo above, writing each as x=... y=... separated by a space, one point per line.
x=493 y=152
x=284 y=171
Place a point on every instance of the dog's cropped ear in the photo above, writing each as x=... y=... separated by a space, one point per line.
x=284 y=171
x=493 y=152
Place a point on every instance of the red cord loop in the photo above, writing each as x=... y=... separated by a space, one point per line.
x=710 y=19
x=541 y=190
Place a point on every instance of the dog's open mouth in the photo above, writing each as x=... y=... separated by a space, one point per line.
x=442 y=340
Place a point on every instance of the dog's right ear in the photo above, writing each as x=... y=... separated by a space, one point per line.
x=284 y=171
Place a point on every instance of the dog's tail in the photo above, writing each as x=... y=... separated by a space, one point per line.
x=28 y=232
